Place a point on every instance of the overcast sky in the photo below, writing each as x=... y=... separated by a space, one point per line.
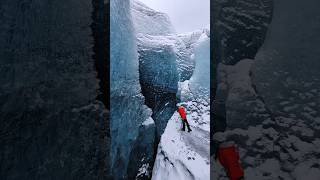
x=185 y=15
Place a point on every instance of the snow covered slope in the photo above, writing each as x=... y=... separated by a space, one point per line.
x=182 y=155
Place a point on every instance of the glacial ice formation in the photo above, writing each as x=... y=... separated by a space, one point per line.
x=149 y=21
x=158 y=77
x=166 y=60
x=200 y=80
x=51 y=124
x=128 y=112
x=183 y=155
x=157 y=29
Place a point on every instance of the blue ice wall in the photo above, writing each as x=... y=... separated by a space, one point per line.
x=200 y=80
x=128 y=111
x=159 y=78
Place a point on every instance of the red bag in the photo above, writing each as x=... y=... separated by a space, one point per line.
x=229 y=159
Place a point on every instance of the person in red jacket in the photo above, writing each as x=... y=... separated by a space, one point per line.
x=181 y=110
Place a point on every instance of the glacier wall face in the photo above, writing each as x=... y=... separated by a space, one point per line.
x=158 y=78
x=51 y=125
x=239 y=28
x=200 y=80
x=156 y=26
x=158 y=53
x=150 y=21
x=128 y=112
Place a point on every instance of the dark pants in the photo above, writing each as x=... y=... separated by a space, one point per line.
x=218 y=124
x=185 y=122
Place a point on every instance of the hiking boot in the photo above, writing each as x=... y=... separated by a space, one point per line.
x=229 y=159
x=189 y=130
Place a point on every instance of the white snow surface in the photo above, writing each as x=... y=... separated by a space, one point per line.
x=286 y=147
x=148 y=122
x=182 y=155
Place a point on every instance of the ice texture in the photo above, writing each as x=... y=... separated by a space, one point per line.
x=128 y=112
x=158 y=77
x=159 y=56
x=239 y=28
x=166 y=61
x=149 y=21
x=51 y=125
x=287 y=76
x=200 y=80
x=271 y=102
x=156 y=29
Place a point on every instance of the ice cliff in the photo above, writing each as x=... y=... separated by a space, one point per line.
x=200 y=80
x=52 y=127
x=132 y=128
x=158 y=78
x=166 y=60
x=150 y=21
x=160 y=29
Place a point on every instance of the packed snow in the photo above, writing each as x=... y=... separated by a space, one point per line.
x=182 y=155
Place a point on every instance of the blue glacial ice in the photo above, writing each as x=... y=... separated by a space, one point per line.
x=200 y=80
x=128 y=112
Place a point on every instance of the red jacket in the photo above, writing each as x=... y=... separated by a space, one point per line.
x=182 y=112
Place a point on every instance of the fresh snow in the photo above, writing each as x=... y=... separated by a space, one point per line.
x=182 y=155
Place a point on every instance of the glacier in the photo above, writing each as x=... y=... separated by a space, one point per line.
x=167 y=61
x=153 y=30
x=158 y=78
x=268 y=101
x=149 y=21
x=200 y=80
x=183 y=155
x=128 y=113
x=52 y=126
